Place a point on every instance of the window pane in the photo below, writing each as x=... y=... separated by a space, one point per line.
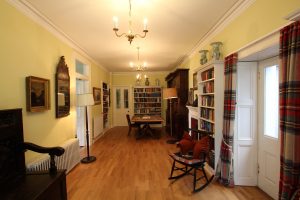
x=118 y=96
x=125 y=98
x=271 y=101
x=80 y=67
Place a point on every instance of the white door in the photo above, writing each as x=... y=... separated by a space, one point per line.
x=245 y=141
x=268 y=127
x=121 y=99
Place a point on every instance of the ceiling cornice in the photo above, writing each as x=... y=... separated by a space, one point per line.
x=145 y=72
x=227 y=18
x=28 y=10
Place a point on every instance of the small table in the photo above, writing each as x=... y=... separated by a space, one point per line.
x=146 y=121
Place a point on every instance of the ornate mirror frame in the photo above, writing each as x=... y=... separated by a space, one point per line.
x=62 y=89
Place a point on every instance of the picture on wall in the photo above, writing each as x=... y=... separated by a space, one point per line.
x=97 y=95
x=37 y=94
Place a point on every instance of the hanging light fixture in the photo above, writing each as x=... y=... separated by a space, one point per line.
x=139 y=67
x=130 y=35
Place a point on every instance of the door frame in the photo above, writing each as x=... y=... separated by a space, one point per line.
x=130 y=98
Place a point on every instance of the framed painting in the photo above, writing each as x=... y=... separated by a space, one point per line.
x=37 y=94
x=97 y=95
x=195 y=83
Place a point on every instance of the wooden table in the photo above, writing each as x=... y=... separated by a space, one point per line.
x=144 y=124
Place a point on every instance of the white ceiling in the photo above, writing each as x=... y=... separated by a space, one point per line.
x=175 y=28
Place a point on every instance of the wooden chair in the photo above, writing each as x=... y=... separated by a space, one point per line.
x=131 y=125
x=15 y=183
x=192 y=156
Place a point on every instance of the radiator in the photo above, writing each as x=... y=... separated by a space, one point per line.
x=97 y=125
x=67 y=161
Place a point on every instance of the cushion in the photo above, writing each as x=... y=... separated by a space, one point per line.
x=186 y=145
x=187 y=136
x=201 y=146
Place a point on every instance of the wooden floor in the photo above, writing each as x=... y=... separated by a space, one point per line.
x=127 y=168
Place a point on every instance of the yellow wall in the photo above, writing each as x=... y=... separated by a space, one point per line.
x=27 y=49
x=260 y=19
x=128 y=79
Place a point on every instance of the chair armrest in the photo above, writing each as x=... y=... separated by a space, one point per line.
x=52 y=151
x=57 y=151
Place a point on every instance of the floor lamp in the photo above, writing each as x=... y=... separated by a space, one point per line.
x=170 y=93
x=85 y=100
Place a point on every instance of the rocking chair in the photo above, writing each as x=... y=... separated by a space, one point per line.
x=192 y=156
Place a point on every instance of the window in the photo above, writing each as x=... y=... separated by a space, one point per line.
x=271 y=101
x=118 y=96
x=126 y=105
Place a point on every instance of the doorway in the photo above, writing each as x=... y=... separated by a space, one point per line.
x=121 y=101
x=82 y=86
x=268 y=127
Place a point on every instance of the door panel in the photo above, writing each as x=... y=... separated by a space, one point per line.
x=122 y=102
x=245 y=145
x=268 y=128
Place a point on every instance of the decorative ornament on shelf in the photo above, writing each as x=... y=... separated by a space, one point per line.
x=203 y=56
x=130 y=35
x=216 y=54
x=147 y=82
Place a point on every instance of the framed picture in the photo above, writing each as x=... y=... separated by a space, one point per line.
x=37 y=94
x=195 y=86
x=97 y=95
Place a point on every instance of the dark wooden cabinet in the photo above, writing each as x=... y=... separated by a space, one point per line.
x=178 y=79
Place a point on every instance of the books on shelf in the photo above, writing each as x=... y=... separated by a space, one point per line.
x=208 y=74
x=147 y=100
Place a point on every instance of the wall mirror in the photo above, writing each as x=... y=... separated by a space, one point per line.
x=62 y=89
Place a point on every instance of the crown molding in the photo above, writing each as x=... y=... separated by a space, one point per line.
x=293 y=16
x=28 y=10
x=227 y=18
x=134 y=72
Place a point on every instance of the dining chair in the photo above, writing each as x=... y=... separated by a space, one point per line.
x=130 y=125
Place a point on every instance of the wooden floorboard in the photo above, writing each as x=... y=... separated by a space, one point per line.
x=132 y=169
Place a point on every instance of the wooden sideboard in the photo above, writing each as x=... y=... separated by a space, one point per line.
x=178 y=79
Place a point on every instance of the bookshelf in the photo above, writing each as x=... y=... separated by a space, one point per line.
x=147 y=100
x=105 y=105
x=210 y=105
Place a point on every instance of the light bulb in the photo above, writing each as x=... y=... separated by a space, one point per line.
x=115 y=19
x=145 y=23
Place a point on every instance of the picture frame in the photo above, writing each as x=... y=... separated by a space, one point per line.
x=97 y=95
x=195 y=82
x=37 y=94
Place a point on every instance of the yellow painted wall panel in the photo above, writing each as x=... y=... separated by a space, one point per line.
x=27 y=49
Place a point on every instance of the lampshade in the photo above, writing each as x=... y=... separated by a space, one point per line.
x=61 y=99
x=85 y=99
x=169 y=93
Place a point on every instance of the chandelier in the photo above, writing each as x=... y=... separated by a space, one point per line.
x=139 y=67
x=130 y=35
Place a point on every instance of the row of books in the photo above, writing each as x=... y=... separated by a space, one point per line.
x=207 y=101
x=153 y=100
x=208 y=87
x=156 y=94
x=147 y=111
x=209 y=74
x=147 y=89
x=204 y=125
x=207 y=114
x=143 y=105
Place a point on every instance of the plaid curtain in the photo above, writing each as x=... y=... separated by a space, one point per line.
x=224 y=171
x=289 y=89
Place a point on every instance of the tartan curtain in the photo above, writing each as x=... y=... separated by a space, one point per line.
x=289 y=90
x=224 y=171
